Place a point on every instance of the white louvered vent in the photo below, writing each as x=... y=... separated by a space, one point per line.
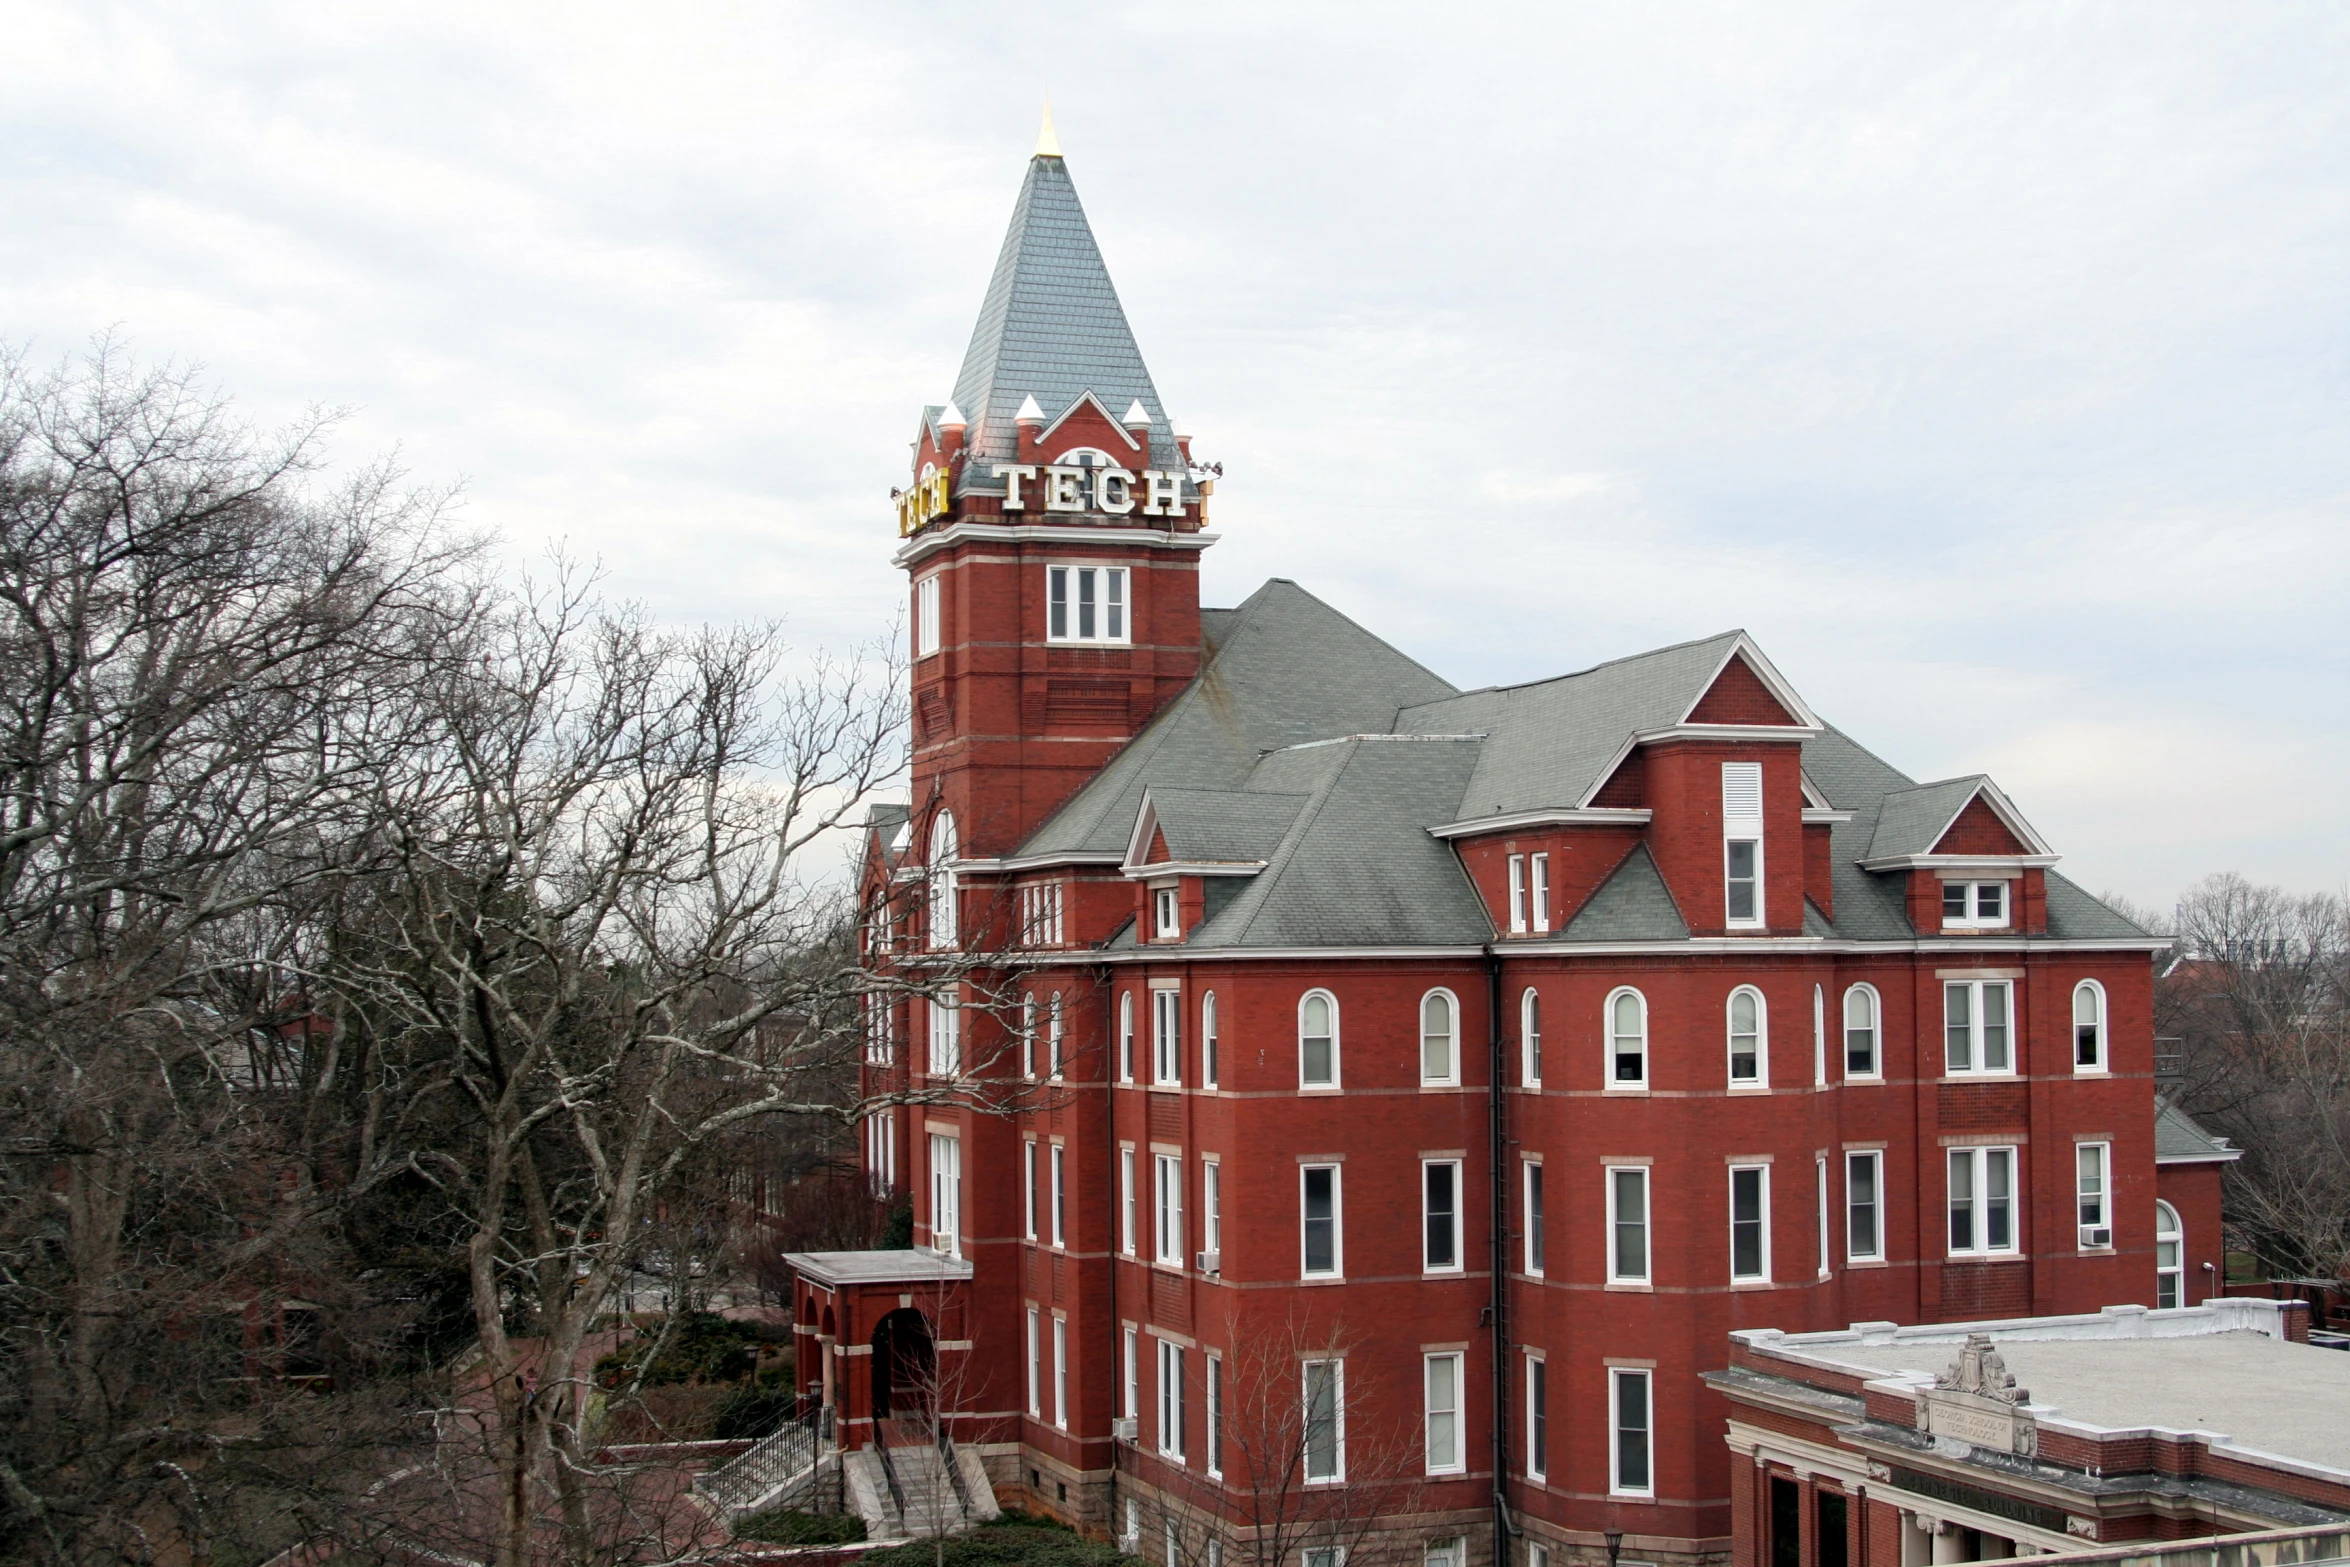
x=1742 y=791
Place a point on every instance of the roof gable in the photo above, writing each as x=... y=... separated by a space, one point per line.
x=1977 y=829
x=1632 y=905
x=1919 y=820
x=1739 y=696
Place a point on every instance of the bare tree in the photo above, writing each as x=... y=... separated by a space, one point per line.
x=1307 y=1463
x=2259 y=999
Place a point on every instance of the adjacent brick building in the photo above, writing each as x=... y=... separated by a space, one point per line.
x=1476 y=1060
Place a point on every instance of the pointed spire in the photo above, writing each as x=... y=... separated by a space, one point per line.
x=1047 y=144
x=1029 y=413
x=952 y=418
x=1137 y=416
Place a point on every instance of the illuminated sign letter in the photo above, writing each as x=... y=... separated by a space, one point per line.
x=1064 y=488
x=1113 y=491
x=1012 y=473
x=1165 y=497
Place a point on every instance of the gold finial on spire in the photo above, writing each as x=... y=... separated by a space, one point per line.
x=1047 y=144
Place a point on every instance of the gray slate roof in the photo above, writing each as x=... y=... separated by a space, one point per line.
x=2178 y=1137
x=1310 y=744
x=1912 y=821
x=1051 y=328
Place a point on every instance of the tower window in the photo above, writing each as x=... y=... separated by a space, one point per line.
x=1974 y=905
x=926 y=629
x=1085 y=604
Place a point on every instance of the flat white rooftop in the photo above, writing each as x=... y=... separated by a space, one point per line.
x=836 y=1268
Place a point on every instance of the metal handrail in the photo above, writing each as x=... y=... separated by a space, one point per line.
x=946 y=1457
x=889 y=1472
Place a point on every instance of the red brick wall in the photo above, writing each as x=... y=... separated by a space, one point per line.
x=1738 y=696
x=1978 y=830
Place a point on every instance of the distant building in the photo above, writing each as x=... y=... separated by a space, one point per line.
x=1480 y=1057
x=1980 y=1441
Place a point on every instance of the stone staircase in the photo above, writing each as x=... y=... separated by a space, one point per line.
x=918 y=1491
x=782 y=1470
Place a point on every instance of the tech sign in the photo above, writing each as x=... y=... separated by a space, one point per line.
x=1051 y=487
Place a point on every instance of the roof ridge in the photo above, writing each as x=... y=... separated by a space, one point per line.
x=1277 y=864
x=1606 y=663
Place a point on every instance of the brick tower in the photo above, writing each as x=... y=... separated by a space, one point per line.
x=1052 y=534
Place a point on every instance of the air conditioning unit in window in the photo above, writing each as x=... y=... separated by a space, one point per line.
x=1124 y=1428
x=2097 y=1236
x=1211 y=1262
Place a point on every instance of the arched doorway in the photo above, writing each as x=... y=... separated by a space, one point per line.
x=905 y=1362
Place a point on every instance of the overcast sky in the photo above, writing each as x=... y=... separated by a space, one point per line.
x=1991 y=364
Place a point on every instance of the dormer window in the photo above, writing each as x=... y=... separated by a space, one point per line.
x=1166 y=914
x=1742 y=892
x=1974 y=905
x=1085 y=604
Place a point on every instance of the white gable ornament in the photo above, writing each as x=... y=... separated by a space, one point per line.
x=1977 y=1402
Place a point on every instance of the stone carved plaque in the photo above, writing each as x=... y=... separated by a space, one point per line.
x=1977 y=1402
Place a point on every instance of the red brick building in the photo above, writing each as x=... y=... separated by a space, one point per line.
x=1407 y=1085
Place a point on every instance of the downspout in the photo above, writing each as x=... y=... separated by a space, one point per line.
x=1111 y=1164
x=1497 y=1140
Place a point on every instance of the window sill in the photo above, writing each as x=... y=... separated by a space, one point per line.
x=1850 y=1263
x=1754 y=1284
x=1749 y=1088
x=1982 y=1077
x=1627 y=1287
x=1634 y=1089
x=1984 y=1256
x=1322 y=1278
x=1317 y=1088
x=2092 y=1071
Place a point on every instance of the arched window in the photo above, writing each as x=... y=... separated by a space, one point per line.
x=2088 y=1026
x=1627 y=1039
x=1317 y=1040
x=1208 y=1064
x=1052 y=1036
x=1028 y=1035
x=942 y=881
x=1440 y=1056
x=1861 y=1013
x=1126 y=1037
x=1750 y=1065
x=1530 y=1033
x=2170 y=1258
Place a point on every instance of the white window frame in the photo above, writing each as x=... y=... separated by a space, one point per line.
x=928 y=626
x=2174 y=1235
x=1867 y=995
x=1608 y=1031
x=1167 y=1209
x=1619 y=1178
x=1971 y=895
x=1058 y=1160
x=1133 y=1369
x=1517 y=895
x=1820 y=1190
x=1537 y=1415
x=1442 y=1448
x=946 y=1193
x=1762 y=1038
x=1978 y=1036
x=1125 y=1036
x=2101 y=1047
x=1428 y=1218
x=1212 y=1408
x=1166 y=1037
x=1126 y=1200
x=1534 y=1205
x=1819 y=1036
x=1762 y=1174
x=1028 y=1036
x=1028 y=1188
x=1035 y=1365
x=1738 y=827
x=1538 y=891
x=1336 y=1369
x=1304 y=1085
x=1337 y=1268
x=1211 y=1070
x=1065 y=587
x=945 y=913
x=1874 y=1160
x=1052 y=1036
x=1617 y=1484
x=1060 y=1371
x=1530 y=1037
x=946 y=1037
x=2093 y=1195
x=1166 y=914
x=1211 y=1203
x=1171 y=1401
x=1451 y=1075
x=1980 y=1161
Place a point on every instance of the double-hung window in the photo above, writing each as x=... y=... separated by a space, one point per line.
x=1215 y=1422
x=1440 y=1187
x=1319 y=1240
x=1028 y=1188
x=1537 y=1415
x=1742 y=842
x=1440 y=1056
x=1530 y=1037
x=1982 y=1202
x=1749 y=1038
x=1132 y=1367
x=1052 y=1036
x=1085 y=604
x=2170 y=1251
x=1538 y=890
x=1211 y=1212
x=1317 y=1040
x=1631 y=1415
x=1126 y=1201
x=1167 y=913
x=1126 y=1036
x=1517 y=895
x=1441 y=1375
x=1627 y=1039
x=1167 y=1037
x=1210 y=1068
x=2088 y=1026
x=1061 y=1371
x=1819 y=1171
x=1325 y=1421
x=1862 y=1025
x=1627 y=1224
x=1169 y=1194
x=946 y=1038
x=1534 y=1237
x=2093 y=1167
x=946 y=1195
x=1864 y=1207
x=1978 y=1033
x=1060 y=1167
x=1974 y=905
x=1028 y=1036
x=1170 y=1400
x=1750 y=1223
x=926 y=623
x=1035 y=1367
